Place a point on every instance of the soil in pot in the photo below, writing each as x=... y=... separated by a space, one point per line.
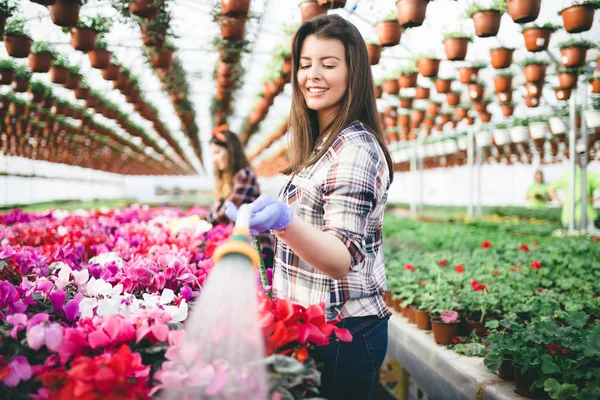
x=423 y=320
x=523 y=383
x=100 y=59
x=443 y=333
x=577 y=19
x=310 y=9
x=389 y=33
x=83 y=39
x=428 y=67
x=65 y=12
x=456 y=48
x=501 y=57
x=411 y=13
x=374 y=52
x=573 y=56
x=17 y=46
x=536 y=39
x=487 y=23
x=523 y=11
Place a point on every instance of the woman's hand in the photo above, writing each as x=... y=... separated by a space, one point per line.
x=267 y=213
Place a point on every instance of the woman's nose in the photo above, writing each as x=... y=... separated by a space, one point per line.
x=314 y=73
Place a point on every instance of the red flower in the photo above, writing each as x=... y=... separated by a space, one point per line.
x=486 y=244
x=535 y=244
x=517 y=266
x=422 y=282
x=460 y=269
x=410 y=267
x=478 y=287
x=496 y=272
x=554 y=349
x=596 y=239
x=443 y=263
x=511 y=269
x=524 y=247
x=540 y=290
x=536 y=265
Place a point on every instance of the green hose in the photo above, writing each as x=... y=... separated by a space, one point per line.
x=262 y=270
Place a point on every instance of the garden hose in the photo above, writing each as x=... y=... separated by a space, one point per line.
x=238 y=243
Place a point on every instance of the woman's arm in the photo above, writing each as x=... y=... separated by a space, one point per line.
x=244 y=185
x=554 y=196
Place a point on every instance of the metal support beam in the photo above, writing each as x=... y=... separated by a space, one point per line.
x=414 y=173
x=479 y=161
x=470 y=163
x=572 y=162
x=583 y=158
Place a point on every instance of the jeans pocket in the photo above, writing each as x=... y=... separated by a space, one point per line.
x=376 y=340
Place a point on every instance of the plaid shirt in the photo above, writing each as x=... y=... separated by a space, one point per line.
x=344 y=193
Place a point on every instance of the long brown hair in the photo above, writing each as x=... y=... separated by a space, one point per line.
x=236 y=160
x=357 y=104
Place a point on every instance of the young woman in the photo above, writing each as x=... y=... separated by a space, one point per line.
x=235 y=182
x=329 y=216
x=538 y=194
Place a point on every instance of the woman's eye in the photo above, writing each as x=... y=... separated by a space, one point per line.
x=330 y=66
x=304 y=66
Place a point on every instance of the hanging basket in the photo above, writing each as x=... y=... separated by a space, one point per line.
x=504 y=97
x=503 y=83
x=17 y=46
x=487 y=23
x=374 y=51
x=100 y=59
x=536 y=39
x=233 y=29
x=163 y=59
x=235 y=8
x=428 y=67
x=501 y=57
x=310 y=9
x=111 y=73
x=562 y=94
x=456 y=48
x=144 y=8
x=443 y=86
x=408 y=81
x=73 y=82
x=453 y=99
x=476 y=91
x=567 y=80
x=6 y=76
x=573 y=56
x=532 y=102
x=391 y=86
x=422 y=93
x=411 y=13
x=83 y=39
x=59 y=75
x=467 y=74
x=507 y=111
x=523 y=11
x=534 y=89
x=65 y=12
x=578 y=18
x=595 y=83
x=40 y=62
x=389 y=33
x=535 y=72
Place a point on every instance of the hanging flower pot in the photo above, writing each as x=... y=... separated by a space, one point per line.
x=59 y=74
x=592 y=118
x=538 y=38
x=84 y=39
x=408 y=80
x=595 y=83
x=391 y=86
x=562 y=94
x=40 y=62
x=235 y=8
x=433 y=108
x=567 y=79
x=508 y=110
x=453 y=98
x=501 y=57
x=428 y=67
x=480 y=106
x=535 y=72
x=534 y=89
x=468 y=74
x=111 y=73
x=443 y=86
x=374 y=51
x=310 y=9
x=233 y=29
x=411 y=13
x=389 y=33
x=503 y=83
x=422 y=93
x=100 y=59
x=523 y=11
x=460 y=113
x=573 y=52
x=578 y=18
x=154 y=35
x=163 y=59
x=7 y=74
x=476 y=91
x=378 y=92
x=73 y=82
x=532 y=102
x=17 y=46
x=144 y=8
x=65 y=12
x=20 y=85
x=504 y=97
x=456 y=47
x=406 y=102
x=417 y=116
x=485 y=117
x=487 y=23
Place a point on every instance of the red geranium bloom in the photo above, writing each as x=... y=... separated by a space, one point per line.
x=540 y=290
x=422 y=282
x=536 y=264
x=535 y=244
x=460 y=269
x=517 y=266
x=443 y=263
x=486 y=244
x=511 y=269
x=596 y=239
x=524 y=247
x=410 y=267
x=554 y=349
x=496 y=272
x=478 y=287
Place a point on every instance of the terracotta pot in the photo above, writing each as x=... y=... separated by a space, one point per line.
x=389 y=33
x=523 y=11
x=153 y=37
x=411 y=314
x=534 y=89
x=443 y=86
x=235 y=8
x=501 y=58
x=65 y=12
x=480 y=106
x=444 y=333
x=387 y=298
x=433 y=109
x=233 y=29
x=17 y=46
x=59 y=75
x=310 y=9
x=524 y=381
x=536 y=39
x=467 y=74
x=595 y=85
x=577 y=19
x=330 y=4
x=487 y=23
x=36 y=97
x=100 y=59
x=476 y=91
x=405 y=312
x=144 y=8
x=6 y=76
x=73 y=82
x=163 y=59
x=504 y=97
x=423 y=320
x=534 y=72
x=452 y=99
x=378 y=92
x=408 y=81
x=374 y=52
x=567 y=80
x=485 y=117
x=456 y=49
x=460 y=113
x=422 y=93
x=397 y=304
x=573 y=56
x=563 y=94
x=532 y=102
x=502 y=84
x=3 y=18
x=81 y=93
x=111 y=73
x=411 y=13
x=40 y=62
x=406 y=102
x=83 y=39
x=391 y=86
x=478 y=327
x=20 y=85
x=428 y=67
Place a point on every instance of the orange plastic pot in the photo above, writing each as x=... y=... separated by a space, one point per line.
x=391 y=86
x=310 y=9
x=65 y=12
x=443 y=86
x=111 y=73
x=573 y=56
x=467 y=74
x=444 y=333
x=578 y=18
x=567 y=80
x=563 y=94
x=423 y=320
x=389 y=33
x=452 y=98
x=233 y=29
x=59 y=75
x=456 y=48
x=536 y=39
x=503 y=83
x=523 y=11
x=374 y=51
x=411 y=13
x=422 y=92
x=487 y=23
x=83 y=39
x=17 y=46
x=40 y=62
x=235 y=8
x=501 y=58
x=408 y=81
x=100 y=59
x=428 y=67
x=534 y=72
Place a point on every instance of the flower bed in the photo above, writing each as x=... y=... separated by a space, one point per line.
x=526 y=301
x=92 y=304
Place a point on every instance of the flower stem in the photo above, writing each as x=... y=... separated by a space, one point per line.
x=262 y=270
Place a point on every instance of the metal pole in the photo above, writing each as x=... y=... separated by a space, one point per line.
x=478 y=212
x=413 y=170
x=471 y=171
x=572 y=163
x=584 y=161
x=420 y=180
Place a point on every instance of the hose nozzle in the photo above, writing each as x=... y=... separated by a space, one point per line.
x=238 y=243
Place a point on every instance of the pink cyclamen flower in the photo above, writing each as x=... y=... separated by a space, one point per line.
x=41 y=332
x=18 y=370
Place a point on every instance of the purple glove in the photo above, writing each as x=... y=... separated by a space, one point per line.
x=267 y=213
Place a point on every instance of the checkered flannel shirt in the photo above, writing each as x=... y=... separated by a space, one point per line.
x=345 y=194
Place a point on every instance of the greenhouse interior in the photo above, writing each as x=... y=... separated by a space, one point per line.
x=299 y=199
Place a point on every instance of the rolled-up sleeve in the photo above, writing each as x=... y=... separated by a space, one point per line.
x=350 y=192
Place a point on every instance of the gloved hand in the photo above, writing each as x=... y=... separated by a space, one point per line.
x=267 y=213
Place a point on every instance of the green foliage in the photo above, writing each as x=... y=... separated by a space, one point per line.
x=101 y=44
x=8 y=64
x=16 y=27
x=458 y=35
x=61 y=61
x=533 y=61
x=479 y=65
x=549 y=26
x=291 y=28
x=573 y=42
x=41 y=47
x=99 y=23
x=497 y=5
x=391 y=16
x=426 y=56
x=8 y=7
x=407 y=70
x=506 y=73
x=22 y=72
x=571 y=70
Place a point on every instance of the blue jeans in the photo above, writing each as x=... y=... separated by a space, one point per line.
x=348 y=370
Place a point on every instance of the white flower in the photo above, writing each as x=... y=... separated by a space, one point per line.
x=62 y=231
x=105 y=258
x=64 y=277
x=155 y=301
x=98 y=287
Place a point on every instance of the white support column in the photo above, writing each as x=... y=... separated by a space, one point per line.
x=414 y=173
x=572 y=162
x=583 y=157
x=470 y=162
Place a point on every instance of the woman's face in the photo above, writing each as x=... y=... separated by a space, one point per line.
x=539 y=178
x=220 y=156
x=323 y=73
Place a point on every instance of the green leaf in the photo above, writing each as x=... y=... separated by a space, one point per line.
x=558 y=391
x=592 y=344
x=577 y=319
x=493 y=360
x=549 y=367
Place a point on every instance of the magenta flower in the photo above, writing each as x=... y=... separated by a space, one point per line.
x=41 y=332
x=19 y=370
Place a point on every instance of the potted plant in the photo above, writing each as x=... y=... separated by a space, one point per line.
x=378 y=91
x=85 y=34
x=37 y=91
x=406 y=101
x=503 y=81
x=453 y=98
x=534 y=69
x=65 y=13
x=508 y=109
x=573 y=52
x=537 y=37
x=389 y=30
x=476 y=91
x=74 y=78
x=592 y=115
x=100 y=57
x=445 y=326
x=422 y=93
x=428 y=65
x=310 y=9
x=21 y=79
x=567 y=77
x=374 y=52
x=594 y=81
x=501 y=57
x=433 y=108
x=480 y=106
x=468 y=74
x=7 y=71
x=579 y=17
x=407 y=76
x=7 y=8
x=411 y=13
x=390 y=86
x=523 y=11
x=59 y=71
x=17 y=39
x=504 y=97
x=456 y=45
x=163 y=57
x=486 y=18
x=112 y=72
x=562 y=94
x=534 y=89
x=443 y=85
x=154 y=31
